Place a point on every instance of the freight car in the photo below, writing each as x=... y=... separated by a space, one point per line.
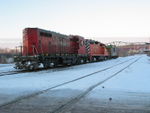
x=112 y=51
x=49 y=49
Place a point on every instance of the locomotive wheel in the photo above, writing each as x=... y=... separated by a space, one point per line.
x=80 y=61
x=94 y=59
x=33 y=67
x=46 y=64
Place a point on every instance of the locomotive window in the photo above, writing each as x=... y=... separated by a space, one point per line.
x=81 y=43
x=96 y=42
x=45 y=34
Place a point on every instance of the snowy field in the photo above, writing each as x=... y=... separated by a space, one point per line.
x=6 y=67
x=129 y=91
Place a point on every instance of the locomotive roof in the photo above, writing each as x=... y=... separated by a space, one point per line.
x=94 y=42
x=52 y=32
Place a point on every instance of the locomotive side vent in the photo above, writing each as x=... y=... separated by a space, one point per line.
x=45 y=34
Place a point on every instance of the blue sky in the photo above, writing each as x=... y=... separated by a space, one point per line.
x=103 y=20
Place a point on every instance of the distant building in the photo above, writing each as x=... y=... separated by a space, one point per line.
x=147 y=49
x=6 y=55
x=134 y=48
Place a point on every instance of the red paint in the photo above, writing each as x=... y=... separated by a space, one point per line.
x=37 y=41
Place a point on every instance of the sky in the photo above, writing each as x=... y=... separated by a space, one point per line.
x=102 y=20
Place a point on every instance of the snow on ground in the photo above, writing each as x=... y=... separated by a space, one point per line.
x=25 y=83
x=6 y=67
x=129 y=90
x=85 y=83
x=136 y=78
x=21 y=84
x=38 y=80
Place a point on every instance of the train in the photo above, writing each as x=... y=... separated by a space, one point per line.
x=44 y=48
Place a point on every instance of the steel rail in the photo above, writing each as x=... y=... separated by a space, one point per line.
x=61 y=84
x=67 y=105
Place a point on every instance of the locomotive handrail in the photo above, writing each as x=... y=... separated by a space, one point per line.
x=33 y=47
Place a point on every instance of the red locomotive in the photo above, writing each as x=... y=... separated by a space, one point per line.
x=51 y=49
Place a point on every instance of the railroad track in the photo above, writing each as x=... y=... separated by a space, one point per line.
x=26 y=71
x=10 y=73
x=66 y=106
x=4 y=66
x=58 y=68
x=61 y=84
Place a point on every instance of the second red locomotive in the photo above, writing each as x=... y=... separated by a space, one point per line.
x=48 y=48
